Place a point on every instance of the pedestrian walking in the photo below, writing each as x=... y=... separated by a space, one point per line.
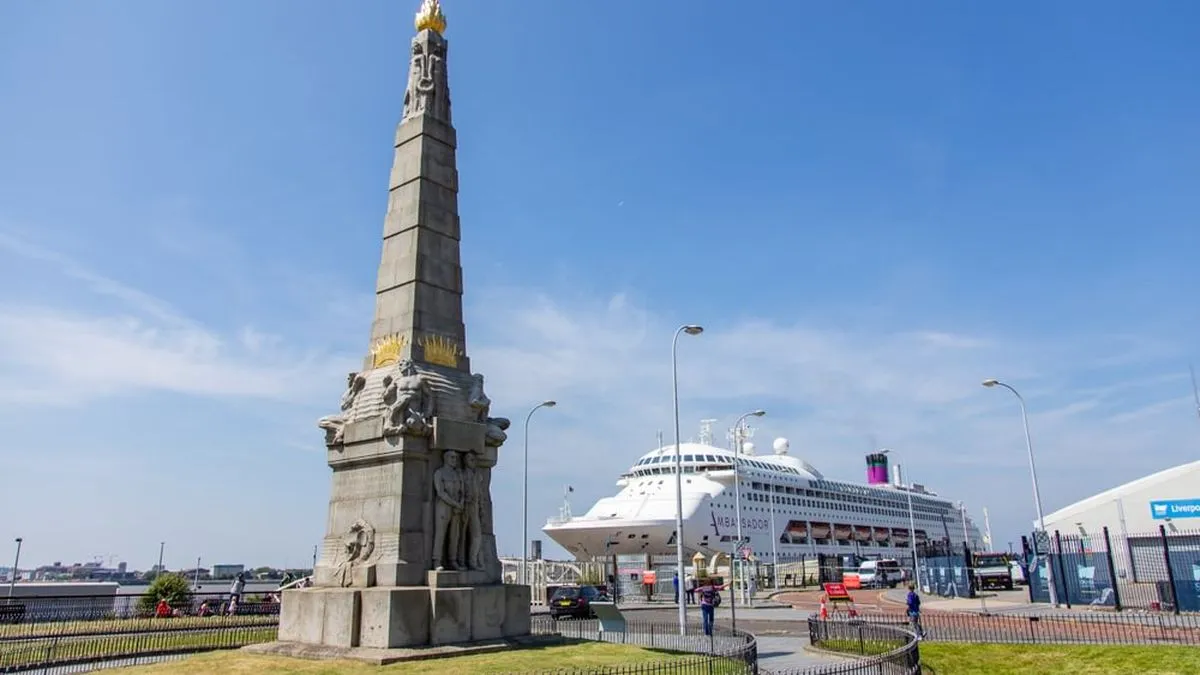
x=914 y=611
x=710 y=599
x=691 y=589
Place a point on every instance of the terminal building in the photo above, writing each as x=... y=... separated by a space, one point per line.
x=1170 y=498
x=1136 y=545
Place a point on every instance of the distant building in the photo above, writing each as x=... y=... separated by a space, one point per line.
x=1170 y=498
x=92 y=571
x=227 y=571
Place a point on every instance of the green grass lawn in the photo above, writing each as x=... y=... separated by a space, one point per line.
x=587 y=656
x=943 y=658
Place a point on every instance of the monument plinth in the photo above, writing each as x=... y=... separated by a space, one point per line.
x=409 y=555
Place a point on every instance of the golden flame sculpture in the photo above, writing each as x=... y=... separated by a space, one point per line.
x=430 y=17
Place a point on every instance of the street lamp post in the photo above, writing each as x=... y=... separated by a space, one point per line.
x=774 y=541
x=12 y=582
x=738 y=567
x=525 y=493
x=690 y=329
x=159 y=570
x=912 y=525
x=1037 y=495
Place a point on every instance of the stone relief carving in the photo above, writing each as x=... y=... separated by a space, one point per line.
x=334 y=425
x=473 y=496
x=357 y=546
x=410 y=402
x=478 y=401
x=481 y=405
x=426 y=93
x=449 y=503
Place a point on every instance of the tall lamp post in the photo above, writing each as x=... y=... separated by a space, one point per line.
x=1037 y=495
x=690 y=329
x=162 y=545
x=525 y=494
x=912 y=526
x=738 y=567
x=12 y=582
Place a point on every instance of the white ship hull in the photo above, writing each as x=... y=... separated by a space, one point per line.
x=784 y=502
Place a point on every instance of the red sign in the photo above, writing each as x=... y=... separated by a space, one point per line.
x=836 y=591
x=649 y=577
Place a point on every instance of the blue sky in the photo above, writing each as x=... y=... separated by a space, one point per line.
x=871 y=208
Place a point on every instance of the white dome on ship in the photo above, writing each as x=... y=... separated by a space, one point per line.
x=747 y=448
x=781 y=446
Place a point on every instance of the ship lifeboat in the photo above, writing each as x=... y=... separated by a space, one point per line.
x=922 y=537
x=899 y=536
x=882 y=534
x=797 y=531
x=820 y=530
x=842 y=532
x=862 y=533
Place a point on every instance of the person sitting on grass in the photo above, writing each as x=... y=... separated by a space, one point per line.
x=162 y=610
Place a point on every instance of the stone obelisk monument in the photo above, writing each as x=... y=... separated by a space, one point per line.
x=409 y=555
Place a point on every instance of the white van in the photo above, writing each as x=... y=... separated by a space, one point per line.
x=879 y=573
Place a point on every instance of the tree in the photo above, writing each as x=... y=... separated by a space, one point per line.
x=170 y=587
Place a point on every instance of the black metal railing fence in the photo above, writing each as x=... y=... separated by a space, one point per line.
x=881 y=649
x=1062 y=628
x=84 y=633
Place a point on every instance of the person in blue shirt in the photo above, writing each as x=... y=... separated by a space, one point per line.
x=914 y=611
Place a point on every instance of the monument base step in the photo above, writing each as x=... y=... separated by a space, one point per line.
x=394 y=617
x=383 y=657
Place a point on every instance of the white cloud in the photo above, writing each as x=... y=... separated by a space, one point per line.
x=64 y=358
x=67 y=356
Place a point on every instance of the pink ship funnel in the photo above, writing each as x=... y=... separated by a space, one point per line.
x=877 y=469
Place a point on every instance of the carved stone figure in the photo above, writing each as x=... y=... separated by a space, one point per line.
x=449 y=503
x=480 y=406
x=473 y=497
x=334 y=425
x=357 y=547
x=478 y=401
x=495 y=434
x=410 y=402
x=426 y=93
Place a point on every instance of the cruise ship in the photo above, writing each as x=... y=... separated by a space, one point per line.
x=783 y=499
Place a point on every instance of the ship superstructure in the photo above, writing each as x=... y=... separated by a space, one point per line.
x=783 y=498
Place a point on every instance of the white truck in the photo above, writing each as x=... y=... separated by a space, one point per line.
x=992 y=571
x=879 y=573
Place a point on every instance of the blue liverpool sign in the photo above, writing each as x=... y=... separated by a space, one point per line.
x=1175 y=508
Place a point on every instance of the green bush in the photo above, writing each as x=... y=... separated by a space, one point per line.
x=170 y=587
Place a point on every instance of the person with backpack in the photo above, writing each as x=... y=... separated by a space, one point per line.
x=914 y=611
x=710 y=599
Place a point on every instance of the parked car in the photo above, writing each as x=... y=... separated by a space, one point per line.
x=879 y=573
x=575 y=601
